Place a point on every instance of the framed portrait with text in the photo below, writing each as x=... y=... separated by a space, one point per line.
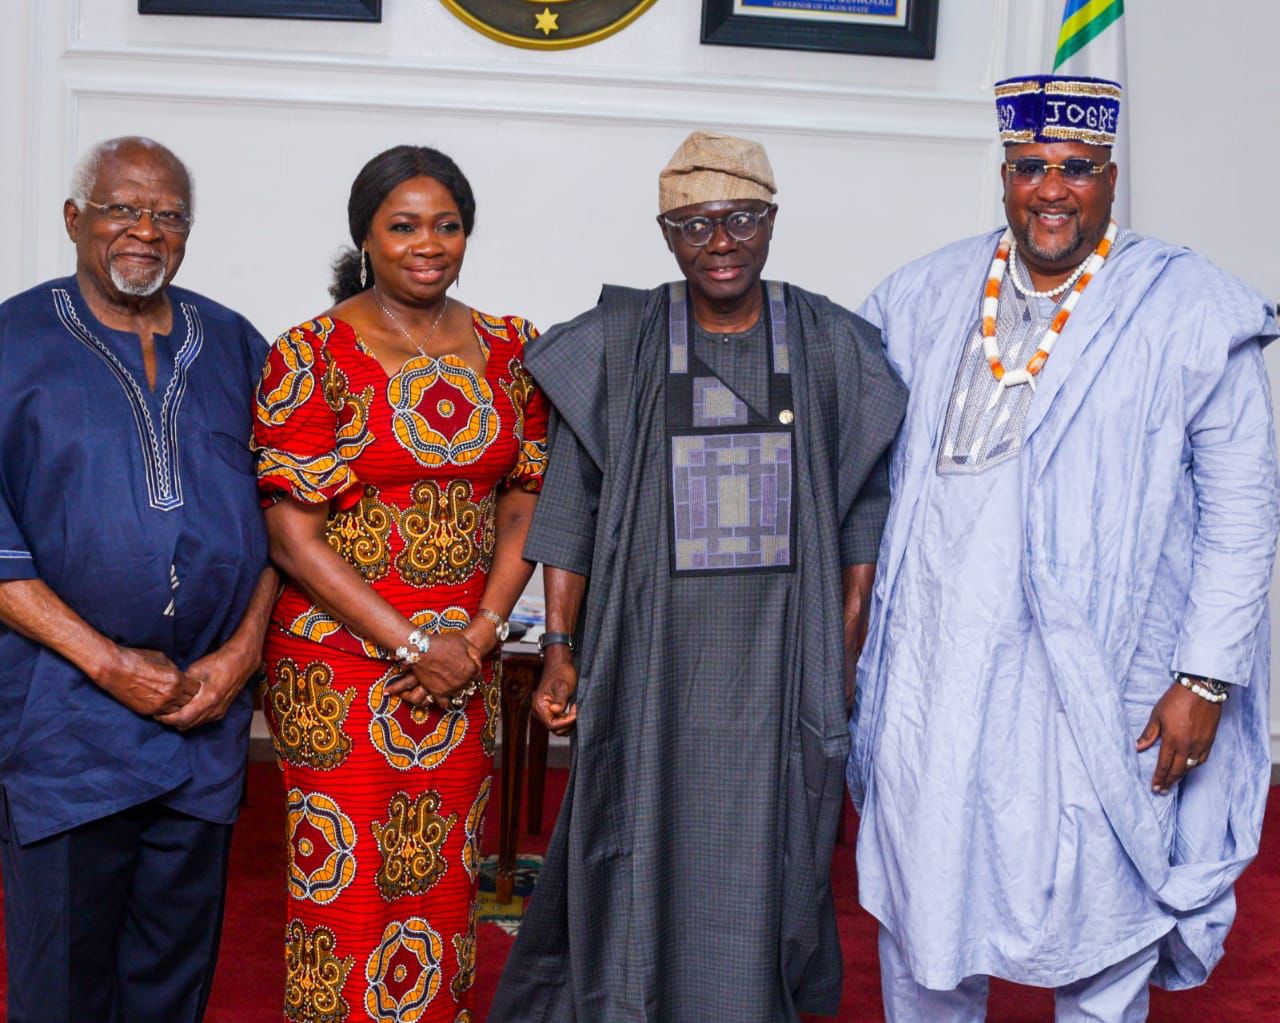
x=886 y=28
x=315 y=10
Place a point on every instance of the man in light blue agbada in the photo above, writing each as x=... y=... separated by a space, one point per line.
x=1060 y=739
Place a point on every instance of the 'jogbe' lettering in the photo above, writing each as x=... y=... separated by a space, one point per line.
x=1101 y=119
x=1095 y=116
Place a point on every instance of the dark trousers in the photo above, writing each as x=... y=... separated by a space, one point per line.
x=115 y=921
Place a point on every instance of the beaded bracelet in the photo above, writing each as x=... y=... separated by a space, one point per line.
x=1206 y=689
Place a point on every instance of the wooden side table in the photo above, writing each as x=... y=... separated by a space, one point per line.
x=521 y=734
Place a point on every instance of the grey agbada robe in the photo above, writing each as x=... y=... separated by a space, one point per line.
x=687 y=877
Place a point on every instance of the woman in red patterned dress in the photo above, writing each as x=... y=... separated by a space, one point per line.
x=401 y=447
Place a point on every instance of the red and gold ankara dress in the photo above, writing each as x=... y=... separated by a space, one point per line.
x=385 y=802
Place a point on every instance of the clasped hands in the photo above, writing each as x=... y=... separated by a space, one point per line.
x=451 y=667
x=149 y=683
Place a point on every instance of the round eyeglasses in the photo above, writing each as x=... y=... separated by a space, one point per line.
x=1077 y=171
x=173 y=221
x=740 y=225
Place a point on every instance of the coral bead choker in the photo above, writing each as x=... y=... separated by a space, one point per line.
x=991 y=304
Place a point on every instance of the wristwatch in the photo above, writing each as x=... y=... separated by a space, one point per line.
x=553 y=639
x=500 y=625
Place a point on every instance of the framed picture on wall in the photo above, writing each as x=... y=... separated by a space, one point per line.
x=887 y=28
x=318 y=10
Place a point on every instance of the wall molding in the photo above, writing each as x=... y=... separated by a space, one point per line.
x=544 y=105
x=516 y=70
x=516 y=73
x=586 y=96
x=519 y=86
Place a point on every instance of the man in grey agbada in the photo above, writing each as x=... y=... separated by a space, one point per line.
x=710 y=521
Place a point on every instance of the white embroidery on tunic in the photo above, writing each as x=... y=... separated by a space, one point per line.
x=160 y=452
x=979 y=434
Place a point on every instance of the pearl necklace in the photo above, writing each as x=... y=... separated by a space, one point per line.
x=1025 y=290
x=396 y=320
x=991 y=304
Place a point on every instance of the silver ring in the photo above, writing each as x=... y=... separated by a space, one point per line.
x=1192 y=761
x=458 y=701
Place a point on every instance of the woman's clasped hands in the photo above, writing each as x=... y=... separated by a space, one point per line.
x=447 y=673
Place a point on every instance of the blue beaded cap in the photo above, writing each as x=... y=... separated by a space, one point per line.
x=1058 y=108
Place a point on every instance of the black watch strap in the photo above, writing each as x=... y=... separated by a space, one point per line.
x=553 y=638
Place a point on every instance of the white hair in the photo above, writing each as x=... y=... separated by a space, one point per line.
x=85 y=174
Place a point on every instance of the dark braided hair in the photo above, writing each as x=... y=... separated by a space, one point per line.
x=379 y=178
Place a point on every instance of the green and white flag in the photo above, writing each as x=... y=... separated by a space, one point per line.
x=1085 y=24
x=1091 y=42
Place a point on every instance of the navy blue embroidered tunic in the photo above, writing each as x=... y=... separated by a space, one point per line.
x=139 y=509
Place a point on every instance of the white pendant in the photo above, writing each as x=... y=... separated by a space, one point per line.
x=1014 y=377
x=1011 y=378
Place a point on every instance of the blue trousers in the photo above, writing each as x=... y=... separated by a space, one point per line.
x=1119 y=994
x=114 y=921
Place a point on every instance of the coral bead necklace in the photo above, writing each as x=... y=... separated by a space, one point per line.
x=991 y=303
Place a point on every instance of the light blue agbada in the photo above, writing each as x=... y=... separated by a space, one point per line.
x=1026 y=619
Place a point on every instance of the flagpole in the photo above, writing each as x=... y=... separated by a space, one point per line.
x=1091 y=41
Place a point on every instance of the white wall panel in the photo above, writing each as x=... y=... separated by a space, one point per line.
x=1205 y=145
x=270 y=221
x=563 y=148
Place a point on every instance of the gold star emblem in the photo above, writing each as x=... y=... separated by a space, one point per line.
x=547 y=22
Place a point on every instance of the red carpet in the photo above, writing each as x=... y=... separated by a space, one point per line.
x=249 y=985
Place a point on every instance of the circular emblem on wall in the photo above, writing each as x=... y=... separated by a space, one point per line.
x=548 y=24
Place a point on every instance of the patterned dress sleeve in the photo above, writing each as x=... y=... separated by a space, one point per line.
x=301 y=445
x=531 y=415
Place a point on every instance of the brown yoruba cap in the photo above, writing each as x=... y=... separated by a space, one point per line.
x=709 y=167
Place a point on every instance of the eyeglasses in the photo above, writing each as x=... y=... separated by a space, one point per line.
x=1077 y=171
x=740 y=225
x=173 y=221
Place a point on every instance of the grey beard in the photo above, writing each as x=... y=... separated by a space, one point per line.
x=1047 y=255
x=139 y=289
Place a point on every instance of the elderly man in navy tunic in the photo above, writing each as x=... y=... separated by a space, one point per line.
x=134 y=592
x=1061 y=737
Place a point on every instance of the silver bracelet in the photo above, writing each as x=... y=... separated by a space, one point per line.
x=1212 y=692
